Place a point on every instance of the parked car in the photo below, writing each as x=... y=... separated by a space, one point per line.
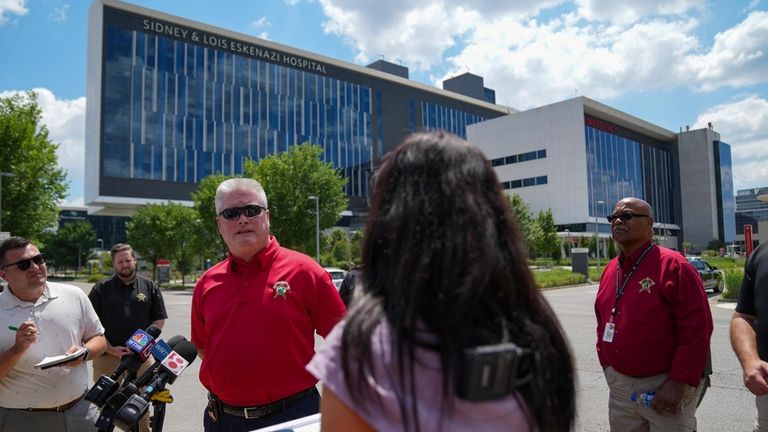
x=337 y=275
x=710 y=275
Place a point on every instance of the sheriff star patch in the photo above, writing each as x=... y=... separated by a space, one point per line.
x=281 y=289
x=646 y=284
x=141 y=297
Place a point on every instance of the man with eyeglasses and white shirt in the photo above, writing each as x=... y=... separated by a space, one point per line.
x=254 y=317
x=653 y=327
x=41 y=319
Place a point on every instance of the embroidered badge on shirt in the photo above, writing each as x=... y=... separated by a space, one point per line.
x=141 y=297
x=646 y=284
x=281 y=289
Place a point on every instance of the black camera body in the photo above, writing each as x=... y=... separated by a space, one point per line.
x=104 y=388
x=491 y=372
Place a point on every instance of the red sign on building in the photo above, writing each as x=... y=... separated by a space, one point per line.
x=748 y=239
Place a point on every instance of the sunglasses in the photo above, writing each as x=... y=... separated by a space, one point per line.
x=624 y=216
x=250 y=211
x=24 y=264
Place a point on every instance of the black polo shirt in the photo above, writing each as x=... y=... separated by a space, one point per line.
x=753 y=298
x=123 y=309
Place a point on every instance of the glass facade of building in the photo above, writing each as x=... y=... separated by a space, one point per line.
x=619 y=167
x=179 y=112
x=750 y=210
x=727 y=217
x=179 y=103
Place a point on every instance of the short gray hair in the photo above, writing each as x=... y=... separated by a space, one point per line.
x=238 y=183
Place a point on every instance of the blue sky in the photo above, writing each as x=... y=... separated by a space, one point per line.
x=672 y=63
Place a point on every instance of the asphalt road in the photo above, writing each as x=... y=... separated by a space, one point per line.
x=728 y=406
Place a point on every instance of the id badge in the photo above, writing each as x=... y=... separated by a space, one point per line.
x=608 y=332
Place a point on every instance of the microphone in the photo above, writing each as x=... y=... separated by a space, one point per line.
x=140 y=343
x=160 y=351
x=170 y=368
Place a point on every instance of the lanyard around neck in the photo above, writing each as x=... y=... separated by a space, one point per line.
x=620 y=291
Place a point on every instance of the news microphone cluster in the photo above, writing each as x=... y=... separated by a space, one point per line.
x=140 y=343
x=169 y=368
x=124 y=405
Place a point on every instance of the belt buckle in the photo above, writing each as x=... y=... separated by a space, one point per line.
x=257 y=413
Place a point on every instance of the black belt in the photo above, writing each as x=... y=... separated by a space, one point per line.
x=59 y=408
x=260 y=410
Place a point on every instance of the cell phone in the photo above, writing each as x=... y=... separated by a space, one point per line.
x=491 y=372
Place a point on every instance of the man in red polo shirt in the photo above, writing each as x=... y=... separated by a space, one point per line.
x=653 y=327
x=254 y=317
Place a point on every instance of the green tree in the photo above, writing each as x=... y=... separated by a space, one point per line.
x=185 y=237
x=211 y=244
x=30 y=197
x=356 y=245
x=171 y=231
x=71 y=246
x=338 y=252
x=545 y=237
x=289 y=179
x=715 y=245
x=524 y=219
x=148 y=233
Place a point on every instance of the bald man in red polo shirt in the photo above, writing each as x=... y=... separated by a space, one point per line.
x=254 y=317
x=653 y=327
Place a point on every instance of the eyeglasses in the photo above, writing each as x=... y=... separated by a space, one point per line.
x=24 y=264
x=250 y=211
x=624 y=216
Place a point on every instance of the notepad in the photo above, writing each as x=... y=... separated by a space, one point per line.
x=50 y=362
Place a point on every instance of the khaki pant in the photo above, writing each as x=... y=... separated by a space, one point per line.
x=105 y=364
x=628 y=416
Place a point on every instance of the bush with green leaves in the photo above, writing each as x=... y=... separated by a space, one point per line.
x=557 y=277
x=733 y=278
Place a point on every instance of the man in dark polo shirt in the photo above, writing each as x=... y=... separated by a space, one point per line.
x=749 y=331
x=653 y=327
x=124 y=303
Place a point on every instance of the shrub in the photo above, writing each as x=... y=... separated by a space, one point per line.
x=95 y=277
x=557 y=277
x=733 y=278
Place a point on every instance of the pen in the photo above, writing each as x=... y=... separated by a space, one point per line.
x=12 y=328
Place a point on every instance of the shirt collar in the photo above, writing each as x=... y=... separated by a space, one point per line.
x=259 y=261
x=9 y=301
x=626 y=261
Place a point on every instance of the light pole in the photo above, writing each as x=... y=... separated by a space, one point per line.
x=317 y=226
x=6 y=174
x=597 y=235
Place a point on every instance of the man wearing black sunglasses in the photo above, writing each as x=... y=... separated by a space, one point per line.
x=42 y=319
x=653 y=327
x=254 y=316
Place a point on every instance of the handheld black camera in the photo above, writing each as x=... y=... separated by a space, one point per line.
x=493 y=371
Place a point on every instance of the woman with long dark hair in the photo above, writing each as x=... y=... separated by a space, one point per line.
x=445 y=272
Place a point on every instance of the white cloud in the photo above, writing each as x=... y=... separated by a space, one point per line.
x=12 y=7
x=291 y=2
x=261 y=23
x=738 y=57
x=599 y=48
x=59 y=13
x=65 y=120
x=743 y=124
x=629 y=11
